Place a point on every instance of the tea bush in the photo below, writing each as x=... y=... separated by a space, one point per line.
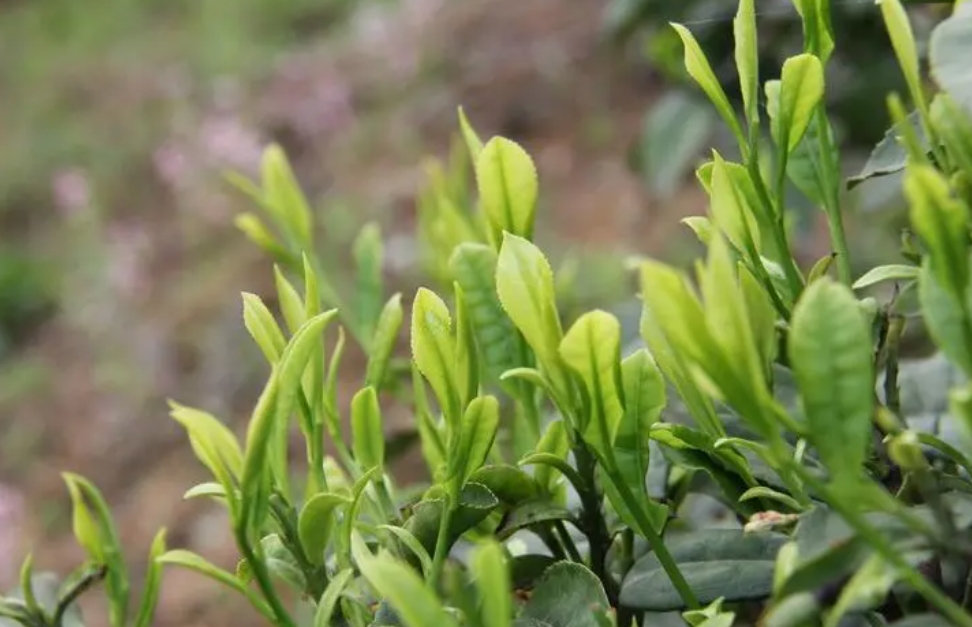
x=565 y=461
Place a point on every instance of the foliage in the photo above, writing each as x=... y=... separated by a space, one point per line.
x=564 y=461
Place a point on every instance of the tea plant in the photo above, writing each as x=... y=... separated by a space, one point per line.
x=564 y=460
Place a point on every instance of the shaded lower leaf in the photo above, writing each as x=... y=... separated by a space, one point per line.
x=566 y=596
x=475 y=504
x=715 y=562
x=526 y=570
x=530 y=513
x=511 y=485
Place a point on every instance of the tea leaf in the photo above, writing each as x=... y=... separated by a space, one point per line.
x=492 y=576
x=818 y=37
x=369 y=257
x=954 y=127
x=290 y=302
x=283 y=196
x=942 y=222
x=507 y=180
x=731 y=209
x=554 y=442
x=473 y=143
x=510 y=484
x=85 y=526
x=209 y=488
x=262 y=327
x=592 y=348
x=316 y=522
x=153 y=581
x=476 y=434
x=413 y=601
x=412 y=543
x=467 y=358
x=830 y=351
x=475 y=504
x=747 y=58
x=716 y=563
x=948 y=56
x=524 y=283
x=567 y=595
x=889 y=156
x=699 y=69
x=701 y=226
x=434 y=351
x=383 y=341
x=212 y=442
x=674 y=132
x=903 y=42
x=331 y=596
x=891 y=272
x=867 y=588
x=644 y=400
x=259 y=234
x=801 y=89
x=945 y=318
x=192 y=561
x=367 y=436
x=474 y=267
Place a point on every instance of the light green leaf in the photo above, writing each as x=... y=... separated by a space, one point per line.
x=412 y=543
x=747 y=58
x=492 y=576
x=367 y=436
x=945 y=319
x=801 y=90
x=556 y=443
x=507 y=180
x=369 y=257
x=731 y=209
x=259 y=234
x=467 y=357
x=699 y=69
x=948 y=56
x=501 y=347
x=476 y=434
x=405 y=591
x=473 y=143
x=954 y=125
x=762 y=492
x=192 y=561
x=903 y=42
x=942 y=222
x=818 y=36
x=868 y=588
x=290 y=302
x=831 y=355
x=384 y=340
x=592 y=349
x=208 y=488
x=701 y=226
x=262 y=327
x=153 y=581
x=761 y=315
x=890 y=272
x=524 y=283
x=212 y=442
x=332 y=594
x=644 y=399
x=434 y=350
x=315 y=523
x=283 y=196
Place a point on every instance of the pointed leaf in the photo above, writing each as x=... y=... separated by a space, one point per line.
x=367 y=436
x=476 y=434
x=332 y=594
x=192 y=561
x=801 y=89
x=830 y=350
x=315 y=523
x=473 y=143
x=434 y=351
x=492 y=577
x=290 y=301
x=747 y=57
x=890 y=272
x=262 y=327
x=369 y=258
x=284 y=197
x=383 y=341
x=507 y=180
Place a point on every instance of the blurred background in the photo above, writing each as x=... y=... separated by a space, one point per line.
x=120 y=267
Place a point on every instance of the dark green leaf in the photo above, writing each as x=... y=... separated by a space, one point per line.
x=889 y=156
x=530 y=513
x=716 y=563
x=475 y=504
x=511 y=485
x=566 y=596
x=948 y=55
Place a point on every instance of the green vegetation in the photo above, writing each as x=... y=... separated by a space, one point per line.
x=564 y=458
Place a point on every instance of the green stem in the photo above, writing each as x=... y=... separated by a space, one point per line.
x=442 y=539
x=779 y=230
x=387 y=504
x=656 y=543
x=568 y=542
x=282 y=617
x=592 y=521
x=853 y=517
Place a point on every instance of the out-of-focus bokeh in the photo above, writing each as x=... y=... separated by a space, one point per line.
x=120 y=267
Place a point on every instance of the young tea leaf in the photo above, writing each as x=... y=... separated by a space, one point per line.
x=492 y=576
x=153 y=581
x=476 y=434
x=332 y=594
x=367 y=436
x=369 y=257
x=903 y=42
x=192 y=561
x=831 y=354
x=801 y=89
x=434 y=350
x=290 y=302
x=283 y=196
x=383 y=341
x=262 y=327
x=592 y=349
x=747 y=58
x=818 y=36
x=467 y=357
x=644 y=399
x=507 y=180
x=473 y=144
x=315 y=523
x=699 y=69
x=891 y=272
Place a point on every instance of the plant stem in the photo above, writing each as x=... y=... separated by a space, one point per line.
x=568 y=542
x=892 y=555
x=592 y=520
x=282 y=617
x=442 y=539
x=90 y=578
x=793 y=278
